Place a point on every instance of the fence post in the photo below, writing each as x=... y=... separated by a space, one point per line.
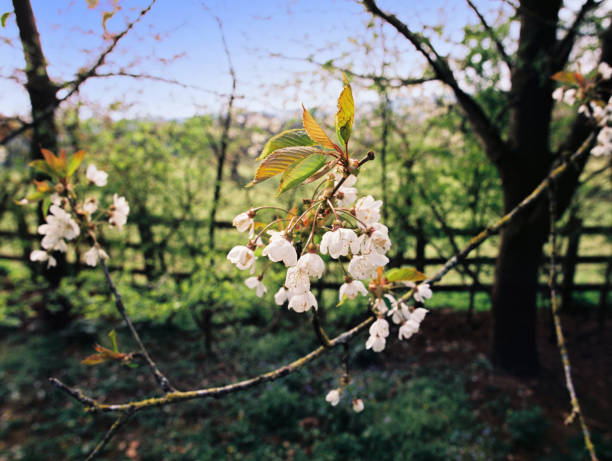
x=574 y=228
x=421 y=242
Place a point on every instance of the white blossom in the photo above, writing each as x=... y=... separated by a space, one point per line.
x=423 y=292
x=90 y=206
x=244 y=222
x=569 y=96
x=333 y=397
x=409 y=328
x=358 y=405
x=313 y=264
x=119 y=212
x=254 y=283
x=412 y=324
x=346 y=194
x=363 y=267
x=604 y=70
x=378 y=241
x=42 y=256
x=93 y=255
x=338 y=243
x=281 y=296
x=367 y=210
x=302 y=302
x=604 y=142
x=59 y=226
x=297 y=280
x=280 y=249
x=379 y=331
x=352 y=289
x=558 y=94
x=380 y=307
x=98 y=177
x=242 y=257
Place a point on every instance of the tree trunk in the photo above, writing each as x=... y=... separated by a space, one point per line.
x=41 y=90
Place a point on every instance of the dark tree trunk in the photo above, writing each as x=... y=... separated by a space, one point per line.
x=41 y=89
x=527 y=163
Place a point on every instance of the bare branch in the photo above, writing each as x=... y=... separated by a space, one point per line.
x=483 y=127
x=159 y=376
x=567 y=369
x=564 y=46
x=180 y=396
x=122 y=418
x=498 y=44
x=555 y=174
x=81 y=78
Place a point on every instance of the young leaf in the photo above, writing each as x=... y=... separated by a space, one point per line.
x=300 y=171
x=278 y=161
x=103 y=355
x=345 y=114
x=315 y=132
x=42 y=166
x=405 y=274
x=74 y=163
x=113 y=337
x=288 y=138
x=4 y=18
x=567 y=77
x=322 y=172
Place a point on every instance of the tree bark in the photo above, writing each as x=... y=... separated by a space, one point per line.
x=41 y=89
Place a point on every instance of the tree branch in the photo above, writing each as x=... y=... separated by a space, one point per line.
x=81 y=78
x=575 y=404
x=484 y=129
x=564 y=46
x=180 y=396
x=498 y=44
x=122 y=418
x=159 y=376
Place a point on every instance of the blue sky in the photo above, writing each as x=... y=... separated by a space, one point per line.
x=180 y=40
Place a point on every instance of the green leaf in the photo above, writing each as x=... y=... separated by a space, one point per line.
x=74 y=163
x=278 y=161
x=37 y=196
x=113 y=337
x=42 y=166
x=299 y=171
x=345 y=114
x=4 y=18
x=315 y=132
x=405 y=274
x=289 y=138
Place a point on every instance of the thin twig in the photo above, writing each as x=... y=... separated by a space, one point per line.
x=492 y=35
x=159 y=376
x=575 y=404
x=122 y=418
x=81 y=78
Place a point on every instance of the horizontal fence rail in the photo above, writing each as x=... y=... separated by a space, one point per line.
x=568 y=261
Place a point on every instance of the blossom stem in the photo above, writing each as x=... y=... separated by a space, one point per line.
x=276 y=221
x=331 y=207
x=270 y=208
x=312 y=230
x=346 y=212
x=316 y=203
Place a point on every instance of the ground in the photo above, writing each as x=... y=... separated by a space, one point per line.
x=434 y=397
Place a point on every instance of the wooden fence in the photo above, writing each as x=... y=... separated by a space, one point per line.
x=569 y=261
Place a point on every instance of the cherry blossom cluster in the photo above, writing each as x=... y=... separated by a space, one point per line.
x=69 y=217
x=335 y=225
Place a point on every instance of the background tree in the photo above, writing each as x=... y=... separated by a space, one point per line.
x=522 y=154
